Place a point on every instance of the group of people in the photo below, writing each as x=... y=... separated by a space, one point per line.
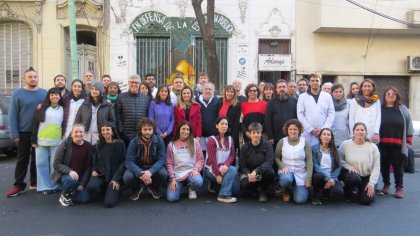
x=94 y=140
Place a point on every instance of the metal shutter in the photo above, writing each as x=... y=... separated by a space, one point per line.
x=402 y=83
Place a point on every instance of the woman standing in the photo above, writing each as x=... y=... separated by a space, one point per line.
x=220 y=157
x=327 y=168
x=46 y=137
x=108 y=165
x=366 y=108
x=231 y=108
x=294 y=159
x=252 y=110
x=268 y=92
x=94 y=112
x=113 y=91
x=145 y=89
x=161 y=111
x=353 y=90
x=361 y=166
x=71 y=105
x=184 y=162
x=340 y=127
x=188 y=109
x=396 y=136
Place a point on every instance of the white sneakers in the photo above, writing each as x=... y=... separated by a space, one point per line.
x=191 y=194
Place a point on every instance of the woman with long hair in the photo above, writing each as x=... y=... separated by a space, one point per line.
x=46 y=136
x=353 y=90
x=365 y=107
x=188 y=109
x=340 y=127
x=184 y=162
x=327 y=168
x=94 y=112
x=161 y=111
x=360 y=161
x=268 y=92
x=396 y=137
x=71 y=105
x=145 y=89
x=231 y=108
x=108 y=165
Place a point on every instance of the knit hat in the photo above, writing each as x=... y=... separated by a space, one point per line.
x=99 y=86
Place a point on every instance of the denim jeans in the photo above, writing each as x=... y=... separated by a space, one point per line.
x=97 y=185
x=193 y=183
x=69 y=186
x=44 y=167
x=158 y=179
x=229 y=185
x=287 y=182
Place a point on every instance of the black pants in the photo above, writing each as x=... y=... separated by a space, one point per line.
x=260 y=186
x=352 y=181
x=335 y=192
x=25 y=153
x=391 y=155
x=97 y=185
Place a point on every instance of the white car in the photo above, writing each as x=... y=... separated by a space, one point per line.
x=416 y=138
x=7 y=146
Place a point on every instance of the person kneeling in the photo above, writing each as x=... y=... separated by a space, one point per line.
x=145 y=161
x=72 y=164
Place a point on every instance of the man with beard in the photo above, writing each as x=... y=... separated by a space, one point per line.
x=315 y=109
x=150 y=79
x=89 y=79
x=291 y=89
x=60 y=83
x=280 y=109
x=302 y=86
x=23 y=104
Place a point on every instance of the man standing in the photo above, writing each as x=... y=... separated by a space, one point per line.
x=130 y=108
x=237 y=84
x=145 y=162
x=292 y=89
x=302 y=86
x=280 y=109
x=106 y=79
x=209 y=112
x=177 y=85
x=23 y=104
x=150 y=79
x=198 y=88
x=315 y=109
x=89 y=79
x=60 y=83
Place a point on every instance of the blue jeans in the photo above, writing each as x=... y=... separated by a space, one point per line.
x=69 y=186
x=97 y=185
x=193 y=183
x=287 y=182
x=44 y=167
x=229 y=184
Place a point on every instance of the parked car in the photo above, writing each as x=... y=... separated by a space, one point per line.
x=416 y=138
x=7 y=146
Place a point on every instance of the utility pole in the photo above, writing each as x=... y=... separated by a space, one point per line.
x=73 y=40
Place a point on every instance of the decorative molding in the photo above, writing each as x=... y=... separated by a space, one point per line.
x=122 y=5
x=243 y=5
x=182 y=6
x=275 y=25
x=5 y=11
x=29 y=12
x=86 y=9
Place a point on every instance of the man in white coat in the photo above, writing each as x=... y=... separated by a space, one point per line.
x=315 y=109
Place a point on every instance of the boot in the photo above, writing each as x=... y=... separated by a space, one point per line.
x=386 y=188
x=399 y=192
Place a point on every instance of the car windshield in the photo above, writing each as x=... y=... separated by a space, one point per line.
x=4 y=103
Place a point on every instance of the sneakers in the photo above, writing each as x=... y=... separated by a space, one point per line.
x=16 y=190
x=316 y=201
x=286 y=196
x=65 y=200
x=154 y=192
x=226 y=199
x=399 y=192
x=32 y=187
x=191 y=194
x=210 y=188
x=386 y=189
x=379 y=192
x=262 y=197
x=136 y=194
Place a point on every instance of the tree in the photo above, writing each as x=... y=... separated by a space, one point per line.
x=206 y=24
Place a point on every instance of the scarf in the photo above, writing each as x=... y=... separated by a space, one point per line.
x=366 y=101
x=77 y=98
x=340 y=104
x=145 y=160
x=111 y=97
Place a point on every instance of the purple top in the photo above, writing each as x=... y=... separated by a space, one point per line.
x=163 y=115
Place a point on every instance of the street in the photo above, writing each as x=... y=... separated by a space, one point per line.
x=36 y=214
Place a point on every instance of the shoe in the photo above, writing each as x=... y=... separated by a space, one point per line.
x=386 y=189
x=32 y=187
x=210 y=188
x=316 y=201
x=262 y=197
x=226 y=199
x=379 y=192
x=286 y=196
x=154 y=192
x=46 y=192
x=191 y=194
x=136 y=194
x=65 y=200
x=399 y=192
x=16 y=190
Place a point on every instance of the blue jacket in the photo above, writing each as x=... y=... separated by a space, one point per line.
x=335 y=167
x=135 y=150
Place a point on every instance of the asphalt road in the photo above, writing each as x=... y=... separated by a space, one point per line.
x=36 y=214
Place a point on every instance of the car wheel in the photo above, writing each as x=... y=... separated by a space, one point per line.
x=11 y=152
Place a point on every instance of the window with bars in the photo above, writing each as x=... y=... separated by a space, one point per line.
x=15 y=54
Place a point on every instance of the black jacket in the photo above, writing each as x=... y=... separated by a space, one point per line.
x=234 y=116
x=109 y=160
x=105 y=114
x=276 y=115
x=259 y=158
x=209 y=115
x=129 y=110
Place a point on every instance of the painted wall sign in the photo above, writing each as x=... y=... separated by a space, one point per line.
x=274 y=62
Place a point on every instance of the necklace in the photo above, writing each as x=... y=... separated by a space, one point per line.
x=326 y=150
